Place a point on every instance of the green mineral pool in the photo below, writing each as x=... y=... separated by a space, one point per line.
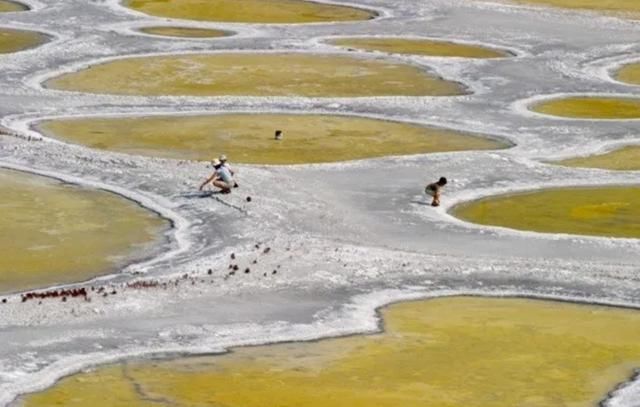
x=17 y=40
x=450 y=352
x=420 y=47
x=184 y=32
x=256 y=74
x=249 y=138
x=622 y=159
x=251 y=11
x=54 y=232
x=591 y=107
x=596 y=211
x=11 y=6
x=629 y=73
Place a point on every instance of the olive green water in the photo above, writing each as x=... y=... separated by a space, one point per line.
x=597 y=211
x=250 y=11
x=184 y=32
x=625 y=8
x=629 y=73
x=17 y=40
x=420 y=47
x=623 y=159
x=10 y=6
x=248 y=74
x=451 y=352
x=249 y=138
x=59 y=233
x=591 y=107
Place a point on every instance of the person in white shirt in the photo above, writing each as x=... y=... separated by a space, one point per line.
x=221 y=177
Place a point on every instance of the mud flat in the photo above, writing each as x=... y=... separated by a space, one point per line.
x=249 y=138
x=454 y=352
x=54 y=232
x=420 y=47
x=17 y=40
x=596 y=211
x=251 y=11
x=184 y=32
x=248 y=74
x=591 y=107
x=629 y=73
x=10 y=6
x=624 y=8
x=623 y=159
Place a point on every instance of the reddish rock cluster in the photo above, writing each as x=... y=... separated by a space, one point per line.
x=73 y=293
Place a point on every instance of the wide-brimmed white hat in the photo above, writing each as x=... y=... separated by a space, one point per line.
x=215 y=162
x=222 y=157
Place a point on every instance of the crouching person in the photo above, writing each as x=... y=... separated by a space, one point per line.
x=221 y=177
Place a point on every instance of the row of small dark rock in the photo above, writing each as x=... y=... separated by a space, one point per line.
x=103 y=291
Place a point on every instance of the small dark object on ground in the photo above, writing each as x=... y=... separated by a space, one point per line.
x=235 y=267
x=64 y=299
x=233 y=256
x=264 y=274
x=274 y=271
x=266 y=250
x=235 y=185
x=248 y=199
x=209 y=272
x=4 y=300
x=247 y=270
x=255 y=262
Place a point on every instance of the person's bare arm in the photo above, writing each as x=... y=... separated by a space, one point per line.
x=210 y=179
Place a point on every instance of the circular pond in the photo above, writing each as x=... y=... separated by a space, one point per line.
x=591 y=107
x=17 y=40
x=596 y=211
x=502 y=352
x=251 y=11
x=629 y=73
x=256 y=74
x=420 y=47
x=622 y=159
x=11 y=6
x=54 y=232
x=184 y=32
x=249 y=138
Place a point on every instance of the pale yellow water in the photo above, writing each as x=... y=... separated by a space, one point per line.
x=8 y=6
x=18 y=40
x=60 y=233
x=185 y=32
x=598 y=211
x=247 y=74
x=623 y=8
x=624 y=159
x=452 y=352
x=250 y=11
x=249 y=138
x=420 y=47
x=591 y=107
x=629 y=73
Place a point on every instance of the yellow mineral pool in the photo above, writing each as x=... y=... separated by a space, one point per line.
x=251 y=11
x=54 y=232
x=450 y=352
x=256 y=74
x=249 y=138
x=609 y=211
